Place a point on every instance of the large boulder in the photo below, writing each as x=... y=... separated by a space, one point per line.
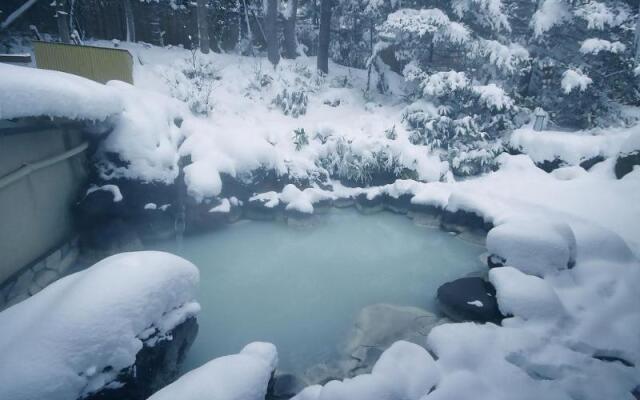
x=469 y=299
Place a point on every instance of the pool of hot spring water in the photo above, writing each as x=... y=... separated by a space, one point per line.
x=302 y=288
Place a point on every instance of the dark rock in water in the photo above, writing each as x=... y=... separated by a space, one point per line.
x=625 y=163
x=344 y=202
x=589 y=163
x=96 y=207
x=199 y=217
x=549 y=166
x=469 y=299
x=322 y=206
x=108 y=238
x=157 y=365
x=399 y=204
x=456 y=221
x=284 y=386
x=155 y=224
x=258 y=210
x=366 y=205
x=495 y=261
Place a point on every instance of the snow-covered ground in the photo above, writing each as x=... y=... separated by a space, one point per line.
x=571 y=332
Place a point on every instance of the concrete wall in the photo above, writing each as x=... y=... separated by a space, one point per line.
x=35 y=211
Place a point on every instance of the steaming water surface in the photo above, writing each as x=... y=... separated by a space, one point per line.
x=301 y=288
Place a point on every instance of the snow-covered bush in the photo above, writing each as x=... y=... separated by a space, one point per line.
x=300 y=138
x=193 y=81
x=362 y=164
x=293 y=103
x=468 y=121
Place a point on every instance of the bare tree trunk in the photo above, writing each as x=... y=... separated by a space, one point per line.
x=62 y=20
x=637 y=37
x=203 y=26
x=324 y=36
x=290 y=40
x=154 y=18
x=271 y=27
x=130 y=22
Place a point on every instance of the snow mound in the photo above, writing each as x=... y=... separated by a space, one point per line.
x=242 y=376
x=533 y=246
x=568 y=173
x=523 y=295
x=570 y=147
x=77 y=334
x=145 y=137
x=30 y=92
x=404 y=371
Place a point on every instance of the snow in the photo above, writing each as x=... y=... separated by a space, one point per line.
x=568 y=173
x=242 y=376
x=404 y=371
x=550 y=14
x=524 y=296
x=506 y=57
x=569 y=238
x=476 y=303
x=113 y=189
x=571 y=147
x=145 y=136
x=575 y=79
x=600 y=15
x=631 y=143
x=595 y=46
x=77 y=334
x=223 y=207
x=536 y=247
x=440 y=83
x=494 y=97
x=30 y=92
x=232 y=141
x=426 y=21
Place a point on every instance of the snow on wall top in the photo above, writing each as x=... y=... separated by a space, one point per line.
x=59 y=344
x=30 y=92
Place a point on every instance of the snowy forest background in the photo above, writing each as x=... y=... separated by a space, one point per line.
x=485 y=65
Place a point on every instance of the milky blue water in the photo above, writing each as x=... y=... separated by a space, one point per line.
x=301 y=288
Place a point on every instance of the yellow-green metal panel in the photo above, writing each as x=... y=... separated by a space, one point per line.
x=100 y=64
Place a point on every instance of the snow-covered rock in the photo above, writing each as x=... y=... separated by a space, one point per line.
x=572 y=148
x=242 y=376
x=30 y=92
x=523 y=295
x=404 y=371
x=77 y=335
x=533 y=246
